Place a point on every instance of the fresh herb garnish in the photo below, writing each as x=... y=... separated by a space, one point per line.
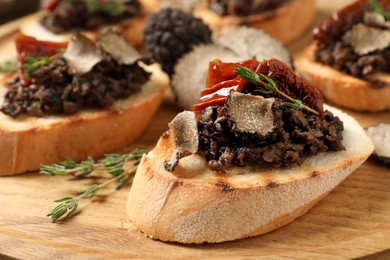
x=31 y=63
x=270 y=87
x=378 y=8
x=297 y=104
x=8 y=66
x=110 y=7
x=112 y=164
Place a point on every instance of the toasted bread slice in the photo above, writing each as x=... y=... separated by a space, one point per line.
x=28 y=141
x=286 y=23
x=132 y=28
x=195 y=205
x=342 y=89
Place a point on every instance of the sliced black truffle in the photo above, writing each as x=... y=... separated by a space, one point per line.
x=380 y=136
x=365 y=39
x=186 y=138
x=82 y=54
x=115 y=44
x=250 y=42
x=376 y=20
x=252 y=114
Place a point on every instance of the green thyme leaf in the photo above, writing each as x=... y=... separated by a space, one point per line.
x=122 y=182
x=69 y=164
x=116 y=171
x=378 y=8
x=112 y=164
x=270 y=87
x=55 y=169
x=31 y=63
x=64 y=199
x=270 y=81
x=297 y=104
x=68 y=206
x=110 y=7
x=91 y=191
x=264 y=91
x=8 y=66
x=86 y=167
x=34 y=63
x=247 y=74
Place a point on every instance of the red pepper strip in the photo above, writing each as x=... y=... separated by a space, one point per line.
x=217 y=87
x=221 y=71
x=51 y=5
x=212 y=102
x=217 y=94
x=27 y=46
x=220 y=81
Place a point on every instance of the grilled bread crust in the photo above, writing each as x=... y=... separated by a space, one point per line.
x=342 y=89
x=27 y=142
x=195 y=205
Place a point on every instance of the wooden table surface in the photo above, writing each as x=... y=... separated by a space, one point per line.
x=352 y=221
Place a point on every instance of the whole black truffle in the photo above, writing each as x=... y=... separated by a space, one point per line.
x=171 y=33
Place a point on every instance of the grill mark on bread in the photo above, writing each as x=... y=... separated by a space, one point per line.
x=170 y=188
x=272 y=184
x=224 y=186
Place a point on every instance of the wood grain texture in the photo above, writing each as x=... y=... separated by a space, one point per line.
x=352 y=221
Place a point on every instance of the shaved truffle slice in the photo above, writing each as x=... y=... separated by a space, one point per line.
x=250 y=42
x=82 y=54
x=365 y=39
x=114 y=44
x=376 y=19
x=186 y=138
x=251 y=114
x=191 y=72
x=380 y=136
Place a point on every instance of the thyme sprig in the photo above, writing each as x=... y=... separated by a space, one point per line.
x=31 y=63
x=270 y=87
x=8 y=66
x=114 y=164
x=378 y=8
x=110 y=7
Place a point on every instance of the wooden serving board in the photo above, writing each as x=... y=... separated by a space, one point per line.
x=352 y=221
